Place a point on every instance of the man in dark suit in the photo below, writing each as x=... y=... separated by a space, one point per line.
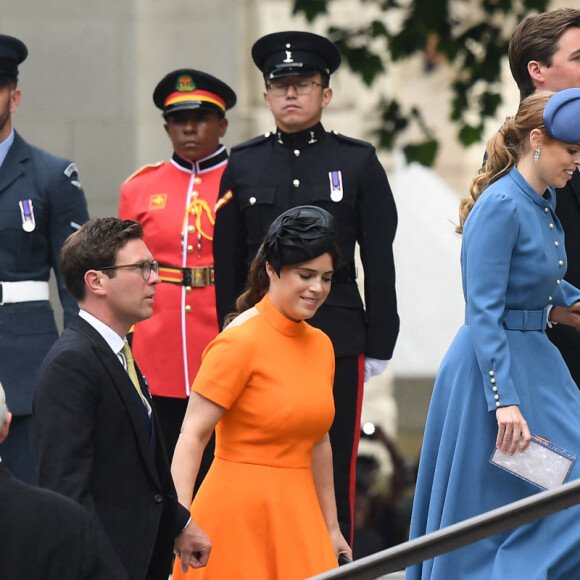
x=98 y=438
x=41 y=204
x=544 y=54
x=43 y=535
x=301 y=163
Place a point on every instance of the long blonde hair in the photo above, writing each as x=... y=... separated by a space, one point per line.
x=505 y=148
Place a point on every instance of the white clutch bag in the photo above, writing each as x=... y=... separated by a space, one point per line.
x=542 y=463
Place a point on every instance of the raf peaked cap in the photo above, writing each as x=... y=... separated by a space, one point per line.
x=562 y=116
x=192 y=89
x=295 y=53
x=12 y=53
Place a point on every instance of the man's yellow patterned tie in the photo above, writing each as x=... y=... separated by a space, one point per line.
x=133 y=373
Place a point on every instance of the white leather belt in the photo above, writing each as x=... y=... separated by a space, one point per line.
x=28 y=291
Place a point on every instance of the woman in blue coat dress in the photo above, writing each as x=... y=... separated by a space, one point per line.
x=502 y=379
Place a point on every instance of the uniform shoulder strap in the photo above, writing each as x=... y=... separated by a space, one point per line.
x=145 y=169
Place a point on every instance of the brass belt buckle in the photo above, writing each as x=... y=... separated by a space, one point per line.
x=199 y=276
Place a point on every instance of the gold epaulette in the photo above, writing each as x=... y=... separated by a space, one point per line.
x=145 y=169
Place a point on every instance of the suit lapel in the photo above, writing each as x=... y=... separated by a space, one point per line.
x=122 y=383
x=15 y=162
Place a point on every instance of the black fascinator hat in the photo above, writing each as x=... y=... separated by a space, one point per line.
x=300 y=234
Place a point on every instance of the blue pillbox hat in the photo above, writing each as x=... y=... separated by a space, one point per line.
x=562 y=116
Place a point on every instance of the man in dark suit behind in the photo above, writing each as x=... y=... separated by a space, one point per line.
x=97 y=436
x=43 y=535
x=544 y=55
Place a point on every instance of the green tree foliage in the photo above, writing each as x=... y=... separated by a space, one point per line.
x=471 y=37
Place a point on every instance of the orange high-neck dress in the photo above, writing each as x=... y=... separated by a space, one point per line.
x=258 y=503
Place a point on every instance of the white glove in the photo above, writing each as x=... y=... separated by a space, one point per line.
x=374 y=366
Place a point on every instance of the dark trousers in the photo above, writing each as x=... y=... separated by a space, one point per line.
x=345 y=435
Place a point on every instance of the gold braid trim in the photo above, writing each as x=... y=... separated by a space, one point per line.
x=198 y=207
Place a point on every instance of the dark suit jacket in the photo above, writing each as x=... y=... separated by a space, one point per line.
x=44 y=536
x=567 y=338
x=96 y=445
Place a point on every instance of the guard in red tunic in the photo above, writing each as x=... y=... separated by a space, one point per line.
x=175 y=203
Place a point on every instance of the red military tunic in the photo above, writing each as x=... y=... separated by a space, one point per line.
x=175 y=203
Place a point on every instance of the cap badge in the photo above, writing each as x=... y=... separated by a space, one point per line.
x=288 y=54
x=184 y=84
x=336 y=192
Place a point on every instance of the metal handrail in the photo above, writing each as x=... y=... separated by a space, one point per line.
x=458 y=535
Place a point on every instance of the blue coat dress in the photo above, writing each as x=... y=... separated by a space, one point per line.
x=513 y=262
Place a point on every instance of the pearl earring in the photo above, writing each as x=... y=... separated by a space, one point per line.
x=537 y=154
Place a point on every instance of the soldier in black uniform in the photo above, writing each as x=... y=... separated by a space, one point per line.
x=41 y=204
x=543 y=55
x=301 y=163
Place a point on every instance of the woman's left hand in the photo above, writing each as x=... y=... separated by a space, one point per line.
x=339 y=544
x=512 y=429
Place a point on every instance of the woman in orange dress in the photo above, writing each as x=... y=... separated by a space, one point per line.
x=265 y=384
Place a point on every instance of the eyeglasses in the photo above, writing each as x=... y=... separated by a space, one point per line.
x=145 y=267
x=280 y=88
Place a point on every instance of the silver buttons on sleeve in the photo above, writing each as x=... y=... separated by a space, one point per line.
x=494 y=388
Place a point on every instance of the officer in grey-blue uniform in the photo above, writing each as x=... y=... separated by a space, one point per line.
x=301 y=163
x=41 y=204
